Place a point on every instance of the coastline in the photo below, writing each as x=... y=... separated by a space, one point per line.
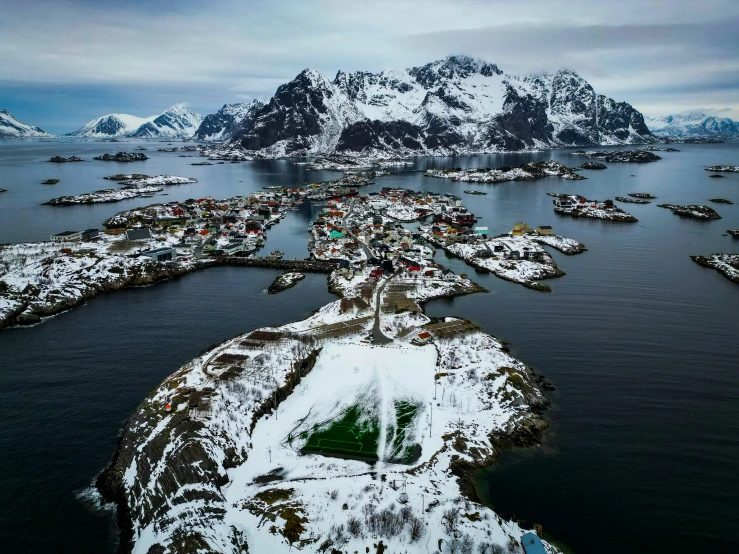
x=117 y=484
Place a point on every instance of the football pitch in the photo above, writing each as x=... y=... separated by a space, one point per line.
x=346 y=437
x=351 y=436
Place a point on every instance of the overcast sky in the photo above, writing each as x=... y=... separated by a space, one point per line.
x=65 y=62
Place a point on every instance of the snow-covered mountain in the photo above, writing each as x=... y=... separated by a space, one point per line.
x=10 y=127
x=454 y=105
x=224 y=122
x=691 y=123
x=175 y=122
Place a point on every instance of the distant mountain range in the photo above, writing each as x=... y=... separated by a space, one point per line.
x=693 y=124
x=175 y=122
x=455 y=105
x=450 y=106
x=10 y=127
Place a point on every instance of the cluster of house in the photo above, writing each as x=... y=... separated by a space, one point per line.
x=574 y=203
x=338 y=188
x=231 y=227
x=362 y=234
x=445 y=234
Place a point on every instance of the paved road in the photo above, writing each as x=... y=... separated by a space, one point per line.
x=378 y=337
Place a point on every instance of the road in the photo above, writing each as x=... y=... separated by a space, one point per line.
x=378 y=337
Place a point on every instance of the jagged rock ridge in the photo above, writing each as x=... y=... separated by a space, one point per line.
x=226 y=121
x=454 y=105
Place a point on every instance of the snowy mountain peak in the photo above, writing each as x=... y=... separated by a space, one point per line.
x=452 y=68
x=10 y=127
x=176 y=121
x=453 y=105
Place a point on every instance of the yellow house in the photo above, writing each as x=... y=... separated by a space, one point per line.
x=520 y=228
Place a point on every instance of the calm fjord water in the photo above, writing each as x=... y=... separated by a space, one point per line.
x=640 y=342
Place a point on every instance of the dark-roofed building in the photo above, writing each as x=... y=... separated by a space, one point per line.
x=67 y=236
x=161 y=254
x=138 y=234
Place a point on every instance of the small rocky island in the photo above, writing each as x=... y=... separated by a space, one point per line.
x=593 y=165
x=126 y=176
x=132 y=188
x=632 y=200
x=105 y=196
x=642 y=195
x=578 y=206
x=285 y=281
x=720 y=200
x=524 y=172
x=692 y=211
x=50 y=182
x=122 y=157
x=631 y=156
x=659 y=149
x=340 y=162
x=724 y=168
x=60 y=160
x=726 y=264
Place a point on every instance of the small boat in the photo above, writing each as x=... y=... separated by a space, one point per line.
x=476 y=192
x=276 y=255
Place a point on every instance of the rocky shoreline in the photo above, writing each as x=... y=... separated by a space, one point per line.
x=544 y=271
x=692 y=211
x=630 y=156
x=188 y=454
x=104 y=196
x=285 y=281
x=122 y=157
x=29 y=309
x=726 y=264
x=627 y=200
x=525 y=172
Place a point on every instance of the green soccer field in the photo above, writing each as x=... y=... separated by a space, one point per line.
x=346 y=437
x=352 y=436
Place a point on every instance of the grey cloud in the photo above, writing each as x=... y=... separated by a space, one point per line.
x=225 y=50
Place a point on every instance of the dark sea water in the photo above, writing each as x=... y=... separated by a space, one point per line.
x=640 y=342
